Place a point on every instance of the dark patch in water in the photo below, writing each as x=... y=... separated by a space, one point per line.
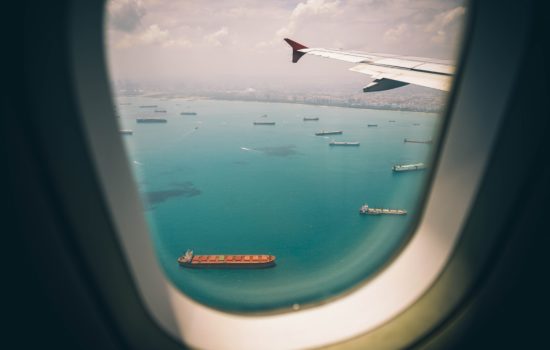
x=183 y=189
x=280 y=151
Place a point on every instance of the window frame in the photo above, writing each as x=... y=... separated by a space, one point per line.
x=411 y=272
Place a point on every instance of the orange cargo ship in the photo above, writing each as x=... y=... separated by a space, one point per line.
x=226 y=261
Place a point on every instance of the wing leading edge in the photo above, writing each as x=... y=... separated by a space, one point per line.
x=388 y=71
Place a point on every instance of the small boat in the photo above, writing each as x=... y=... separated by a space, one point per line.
x=418 y=141
x=408 y=167
x=307 y=119
x=321 y=133
x=372 y=125
x=344 y=143
x=264 y=123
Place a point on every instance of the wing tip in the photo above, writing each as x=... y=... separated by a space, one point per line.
x=296 y=55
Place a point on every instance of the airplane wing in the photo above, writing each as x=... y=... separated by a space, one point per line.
x=388 y=71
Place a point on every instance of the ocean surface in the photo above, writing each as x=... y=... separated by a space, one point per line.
x=217 y=184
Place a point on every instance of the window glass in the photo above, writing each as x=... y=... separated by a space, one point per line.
x=241 y=155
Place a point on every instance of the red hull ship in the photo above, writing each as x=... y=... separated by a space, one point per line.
x=226 y=261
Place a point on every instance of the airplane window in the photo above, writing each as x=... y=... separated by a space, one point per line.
x=282 y=150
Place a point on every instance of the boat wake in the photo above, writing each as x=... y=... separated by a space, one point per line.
x=249 y=149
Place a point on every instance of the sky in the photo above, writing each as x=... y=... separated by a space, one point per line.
x=238 y=43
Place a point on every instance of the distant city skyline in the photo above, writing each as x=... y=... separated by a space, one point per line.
x=239 y=43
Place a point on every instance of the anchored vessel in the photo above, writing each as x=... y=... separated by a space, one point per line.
x=151 y=120
x=160 y=110
x=344 y=143
x=264 y=123
x=328 y=133
x=417 y=141
x=372 y=125
x=225 y=261
x=408 y=167
x=126 y=132
x=188 y=113
x=148 y=106
x=379 y=211
x=306 y=119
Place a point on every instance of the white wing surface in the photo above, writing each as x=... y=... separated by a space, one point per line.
x=388 y=71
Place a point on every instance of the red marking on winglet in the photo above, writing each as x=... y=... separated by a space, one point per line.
x=296 y=55
x=295 y=45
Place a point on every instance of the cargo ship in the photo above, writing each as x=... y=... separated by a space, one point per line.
x=408 y=167
x=365 y=210
x=160 y=110
x=372 y=125
x=225 y=261
x=264 y=123
x=148 y=106
x=307 y=119
x=344 y=143
x=321 y=133
x=417 y=141
x=188 y=113
x=151 y=120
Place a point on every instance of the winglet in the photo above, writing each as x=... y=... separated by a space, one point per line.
x=296 y=55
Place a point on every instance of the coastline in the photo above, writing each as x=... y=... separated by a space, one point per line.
x=284 y=101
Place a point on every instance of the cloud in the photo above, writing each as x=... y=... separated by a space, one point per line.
x=216 y=38
x=300 y=13
x=441 y=22
x=126 y=15
x=152 y=35
x=443 y=19
x=441 y=27
x=309 y=8
x=395 y=34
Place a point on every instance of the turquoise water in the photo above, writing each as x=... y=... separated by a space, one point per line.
x=217 y=184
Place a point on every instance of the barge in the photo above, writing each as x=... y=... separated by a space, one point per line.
x=307 y=119
x=322 y=133
x=408 y=167
x=365 y=210
x=418 y=141
x=264 y=123
x=225 y=261
x=151 y=120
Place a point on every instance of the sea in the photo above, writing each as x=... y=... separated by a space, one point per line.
x=218 y=184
